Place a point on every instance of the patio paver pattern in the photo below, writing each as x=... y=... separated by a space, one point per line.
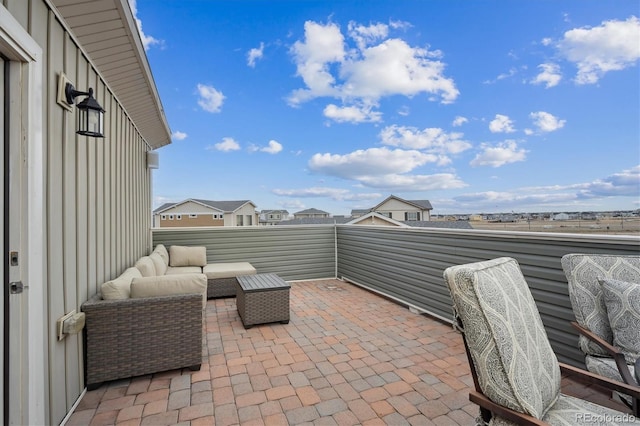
x=346 y=357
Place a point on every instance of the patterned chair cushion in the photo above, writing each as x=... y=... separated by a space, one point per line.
x=622 y=300
x=607 y=367
x=583 y=272
x=511 y=353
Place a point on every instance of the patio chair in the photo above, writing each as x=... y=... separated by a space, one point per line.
x=515 y=371
x=598 y=339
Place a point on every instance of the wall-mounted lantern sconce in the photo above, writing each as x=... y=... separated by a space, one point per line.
x=90 y=113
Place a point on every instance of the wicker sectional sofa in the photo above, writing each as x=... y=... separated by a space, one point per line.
x=150 y=318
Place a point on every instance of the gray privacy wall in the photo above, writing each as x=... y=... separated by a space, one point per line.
x=293 y=252
x=407 y=264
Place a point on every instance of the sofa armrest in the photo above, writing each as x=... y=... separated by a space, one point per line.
x=132 y=337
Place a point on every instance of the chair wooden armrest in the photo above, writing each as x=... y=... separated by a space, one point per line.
x=589 y=377
x=615 y=353
x=502 y=411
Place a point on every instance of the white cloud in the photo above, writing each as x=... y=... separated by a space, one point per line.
x=274 y=147
x=337 y=194
x=365 y=36
x=623 y=184
x=459 y=121
x=501 y=124
x=512 y=72
x=612 y=46
x=227 y=144
x=400 y=25
x=384 y=169
x=255 y=54
x=367 y=71
x=372 y=161
x=352 y=114
x=546 y=122
x=178 y=135
x=433 y=140
x=395 y=68
x=323 y=45
x=147 y=40
x=549 y=75
x=495 y=156
x=396 y=182
x=293 y=205
x=210 y=99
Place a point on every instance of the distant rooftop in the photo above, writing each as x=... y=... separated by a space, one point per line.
x=224 y=206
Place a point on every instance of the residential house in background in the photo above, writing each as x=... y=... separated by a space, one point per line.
x=355 y=213
x=76 y=209
x=329 y=220
x=311 y=213
x=273 y=217
x=374 y=218
x=193 y=212
x=404 y=210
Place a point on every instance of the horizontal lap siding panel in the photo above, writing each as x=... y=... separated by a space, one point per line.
x=408 y=265
x=295 y=253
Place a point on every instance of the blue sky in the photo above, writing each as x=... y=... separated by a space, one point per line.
x=483 y=106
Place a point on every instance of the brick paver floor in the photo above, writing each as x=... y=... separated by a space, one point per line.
x=347 y=357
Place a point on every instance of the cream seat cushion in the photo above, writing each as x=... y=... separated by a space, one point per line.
x=120 y=288
x=167 y=285
x=173 y=270
x=228 y=270
x=187 y=256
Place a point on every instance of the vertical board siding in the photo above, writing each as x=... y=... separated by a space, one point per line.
x=97 y=205
x=408 y=265
x=295 y=253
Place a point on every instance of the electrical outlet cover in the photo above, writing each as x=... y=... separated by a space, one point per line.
x=60 y=324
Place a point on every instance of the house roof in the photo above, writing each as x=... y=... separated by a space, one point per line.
x=360 y=211
x=449 y=224
x=107 y=32
x=315 y=221
x=223 y=206
x=376 y=216
x=311 y=211
x=421 y=204
x=273 y=211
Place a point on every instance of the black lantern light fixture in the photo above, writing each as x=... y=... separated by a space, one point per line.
x=90 y=113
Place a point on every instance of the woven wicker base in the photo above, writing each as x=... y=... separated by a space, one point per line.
x=263 y=306
x=221 y=287
x=133 y=337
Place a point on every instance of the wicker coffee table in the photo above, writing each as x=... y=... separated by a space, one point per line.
x=262 y=298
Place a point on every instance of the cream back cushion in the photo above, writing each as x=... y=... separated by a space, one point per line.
x=120 y=288
x=162 y=251
x=187 y=256
x=167 y=285
x=158 y=263
x=146 y=267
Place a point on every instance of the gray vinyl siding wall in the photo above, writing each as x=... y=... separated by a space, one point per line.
x=293 y=252
x=408 y=265
x=98 y=203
